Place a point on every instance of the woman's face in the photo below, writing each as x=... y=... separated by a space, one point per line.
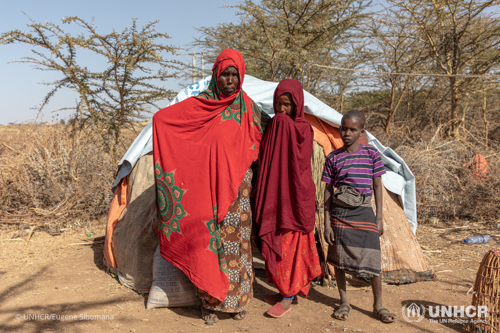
x=229 y=80
x=285 y=105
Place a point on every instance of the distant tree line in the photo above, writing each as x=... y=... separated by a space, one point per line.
x=456 y=41
x=377 y=54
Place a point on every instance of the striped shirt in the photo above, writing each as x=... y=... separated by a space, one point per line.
x=357 y=169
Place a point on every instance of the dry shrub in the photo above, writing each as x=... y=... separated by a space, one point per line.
x=446 y=187
x=53 y=174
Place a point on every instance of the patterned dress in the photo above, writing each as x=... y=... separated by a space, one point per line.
x=235 y=232
x=298 y=266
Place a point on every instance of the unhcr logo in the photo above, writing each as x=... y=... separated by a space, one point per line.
x=413 y=313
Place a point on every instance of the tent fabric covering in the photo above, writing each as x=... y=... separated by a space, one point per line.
x=116 y=208
x=134 y=237
x=402 y=258
x=318 y=164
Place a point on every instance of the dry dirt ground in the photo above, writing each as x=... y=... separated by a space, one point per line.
x=65 y=285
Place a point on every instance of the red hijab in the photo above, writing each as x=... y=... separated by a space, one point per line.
x=202 y=148
x=285 y=194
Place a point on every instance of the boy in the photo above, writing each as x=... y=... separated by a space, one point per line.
x=351 y=228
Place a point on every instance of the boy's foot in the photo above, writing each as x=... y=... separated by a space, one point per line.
x=342 y=312
x=240 y=315
x=277 y=311
x=276 y=298
x=385 y=315
x=209 y=316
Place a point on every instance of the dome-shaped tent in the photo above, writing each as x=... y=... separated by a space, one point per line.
x=131 y=231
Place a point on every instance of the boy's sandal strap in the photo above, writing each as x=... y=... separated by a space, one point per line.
x=342 y=312
x=383 y=314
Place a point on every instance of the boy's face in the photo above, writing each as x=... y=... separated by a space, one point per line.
x=350 y=130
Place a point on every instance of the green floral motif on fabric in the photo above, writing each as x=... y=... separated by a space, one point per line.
x=215 y=241
x=227 y=114
x=177 y=193
x=169 y=202
x=257 y=123
x=179 y=211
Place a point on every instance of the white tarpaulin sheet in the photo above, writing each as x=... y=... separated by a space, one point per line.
x=398 y=179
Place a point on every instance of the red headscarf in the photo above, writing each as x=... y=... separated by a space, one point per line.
x=202 y=148
x=285 y=195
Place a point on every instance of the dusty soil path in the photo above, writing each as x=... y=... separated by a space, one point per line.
x=51 y=286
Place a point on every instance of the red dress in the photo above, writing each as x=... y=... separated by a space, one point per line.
x=299 y=264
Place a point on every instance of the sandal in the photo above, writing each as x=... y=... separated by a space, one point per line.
x=209 y=316
x=383 y=314
x=342 y=312
x=240 y=315
x=276 y=298
x=277 y=311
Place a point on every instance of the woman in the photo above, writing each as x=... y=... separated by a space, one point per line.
x=285 y=200
x=203 y=148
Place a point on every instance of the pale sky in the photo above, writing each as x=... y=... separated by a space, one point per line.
x=20 y=88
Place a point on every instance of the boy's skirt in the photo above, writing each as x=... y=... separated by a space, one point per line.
x=356 y=247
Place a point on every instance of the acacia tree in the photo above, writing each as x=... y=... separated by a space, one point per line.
x=394 y=50
x=461 y=36
x=111 y=99
x=286 y=38
x=337 y=84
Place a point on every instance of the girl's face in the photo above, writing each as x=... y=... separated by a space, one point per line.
x=285 y=105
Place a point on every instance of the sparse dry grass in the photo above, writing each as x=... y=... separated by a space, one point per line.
x=51 y=174
x=446 y=187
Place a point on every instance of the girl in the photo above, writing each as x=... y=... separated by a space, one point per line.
x=285 y=200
